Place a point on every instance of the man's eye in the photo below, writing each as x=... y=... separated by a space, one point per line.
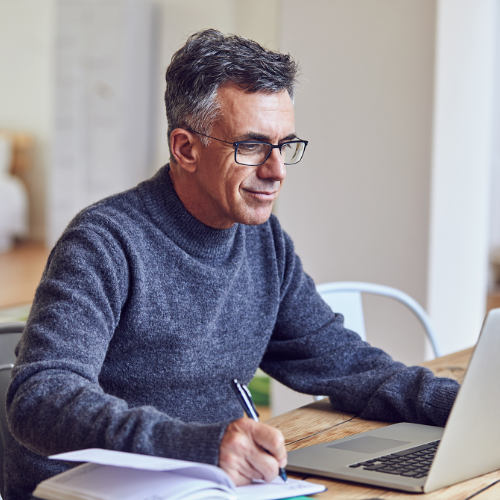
x=251 y=148
x=287 y=146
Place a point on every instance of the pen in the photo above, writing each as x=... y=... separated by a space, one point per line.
x=246 y=401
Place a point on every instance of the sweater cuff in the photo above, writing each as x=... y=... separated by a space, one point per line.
x=194 y=442
x=443 y=397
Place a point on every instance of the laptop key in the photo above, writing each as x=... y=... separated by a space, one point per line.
x=413 y=462
x=374 y=467
x=412 y=450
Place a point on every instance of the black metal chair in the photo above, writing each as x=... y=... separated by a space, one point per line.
x=10 y=333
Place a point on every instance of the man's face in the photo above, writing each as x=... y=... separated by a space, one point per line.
x=232 y=192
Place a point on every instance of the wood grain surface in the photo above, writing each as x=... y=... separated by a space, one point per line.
x=20 y=273
x=318 y=422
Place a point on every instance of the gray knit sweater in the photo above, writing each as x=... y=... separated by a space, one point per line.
x=144 y=315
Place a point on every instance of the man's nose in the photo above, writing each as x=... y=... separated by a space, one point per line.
x=274 y=167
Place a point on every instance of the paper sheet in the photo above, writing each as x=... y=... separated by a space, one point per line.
x=276 y=489
x=261 y=490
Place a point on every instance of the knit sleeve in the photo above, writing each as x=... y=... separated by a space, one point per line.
x=312 y=352
x=55 y=402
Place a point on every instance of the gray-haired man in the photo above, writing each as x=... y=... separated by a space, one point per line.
x=155 y=299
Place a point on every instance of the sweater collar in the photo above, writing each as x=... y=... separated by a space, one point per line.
x=170 y=215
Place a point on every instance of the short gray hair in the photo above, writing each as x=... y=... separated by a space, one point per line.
x=210 y=59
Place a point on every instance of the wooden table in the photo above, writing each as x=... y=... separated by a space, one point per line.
x=318 y=422
x=20 y=272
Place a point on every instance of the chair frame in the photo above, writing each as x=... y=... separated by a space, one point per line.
x=386 y=291
x=12 y=327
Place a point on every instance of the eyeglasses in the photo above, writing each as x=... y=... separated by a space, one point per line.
x=254 y=153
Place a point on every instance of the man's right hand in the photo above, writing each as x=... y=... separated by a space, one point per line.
x=242 y=453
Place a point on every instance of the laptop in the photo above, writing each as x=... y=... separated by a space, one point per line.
x=422 y=458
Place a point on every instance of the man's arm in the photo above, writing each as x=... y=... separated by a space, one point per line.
x=55 y=402
x=311 y=352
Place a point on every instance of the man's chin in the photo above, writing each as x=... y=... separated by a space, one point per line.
x=255 y=219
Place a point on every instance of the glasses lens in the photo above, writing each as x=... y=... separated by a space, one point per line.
x=252 y=153
x=292 y=152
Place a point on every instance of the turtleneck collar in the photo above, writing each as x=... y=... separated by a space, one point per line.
x=170 y=215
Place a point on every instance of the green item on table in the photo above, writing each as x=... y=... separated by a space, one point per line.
x=260 y=388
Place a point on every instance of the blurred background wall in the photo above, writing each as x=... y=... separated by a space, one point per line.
x=358 y=204
x=27 y=51
x=400 y=182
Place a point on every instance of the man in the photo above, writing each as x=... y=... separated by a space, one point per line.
x=153 y=300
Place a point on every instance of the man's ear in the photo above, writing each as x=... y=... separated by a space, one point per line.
x=184 y=147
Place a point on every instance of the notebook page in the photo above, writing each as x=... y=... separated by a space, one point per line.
x=94 y=481
x=146 y=462
x=277 y=489
x=274 y=490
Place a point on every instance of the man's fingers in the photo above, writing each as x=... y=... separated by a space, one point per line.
x=238 y=468
x=243 y=452
x=271 y=440
x=265 y=464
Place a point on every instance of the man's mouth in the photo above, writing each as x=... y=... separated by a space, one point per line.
x=262 y=194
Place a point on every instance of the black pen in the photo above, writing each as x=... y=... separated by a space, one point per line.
x=246 y=401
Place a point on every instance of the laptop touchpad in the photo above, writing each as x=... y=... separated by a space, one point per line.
x=368 y=444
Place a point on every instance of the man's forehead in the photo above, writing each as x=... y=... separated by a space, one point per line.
x=230 y=93
x=256 y=115
x=257 y=136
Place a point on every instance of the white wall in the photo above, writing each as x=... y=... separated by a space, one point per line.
x=462 y=167
x=103 y=122
x=26 y=82
x=357 y=206
x=27 y=38
x=495 y=174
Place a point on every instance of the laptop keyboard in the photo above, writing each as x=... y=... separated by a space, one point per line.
x=413 y=462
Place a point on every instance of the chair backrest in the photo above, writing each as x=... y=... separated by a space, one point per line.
x=348 y=303
x=10 y=333
x=345 y=297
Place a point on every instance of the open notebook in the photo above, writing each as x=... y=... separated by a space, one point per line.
x=116 y=475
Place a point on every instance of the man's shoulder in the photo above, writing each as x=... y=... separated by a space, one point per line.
x=120 y=218
x=115 y=210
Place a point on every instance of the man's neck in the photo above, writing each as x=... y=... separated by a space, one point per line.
x=185 y=188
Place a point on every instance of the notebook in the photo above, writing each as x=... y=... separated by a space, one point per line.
x=420 y=458
x=116 y=475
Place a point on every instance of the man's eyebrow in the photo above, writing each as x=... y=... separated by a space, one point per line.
x=289 y=137
x=252 y=136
